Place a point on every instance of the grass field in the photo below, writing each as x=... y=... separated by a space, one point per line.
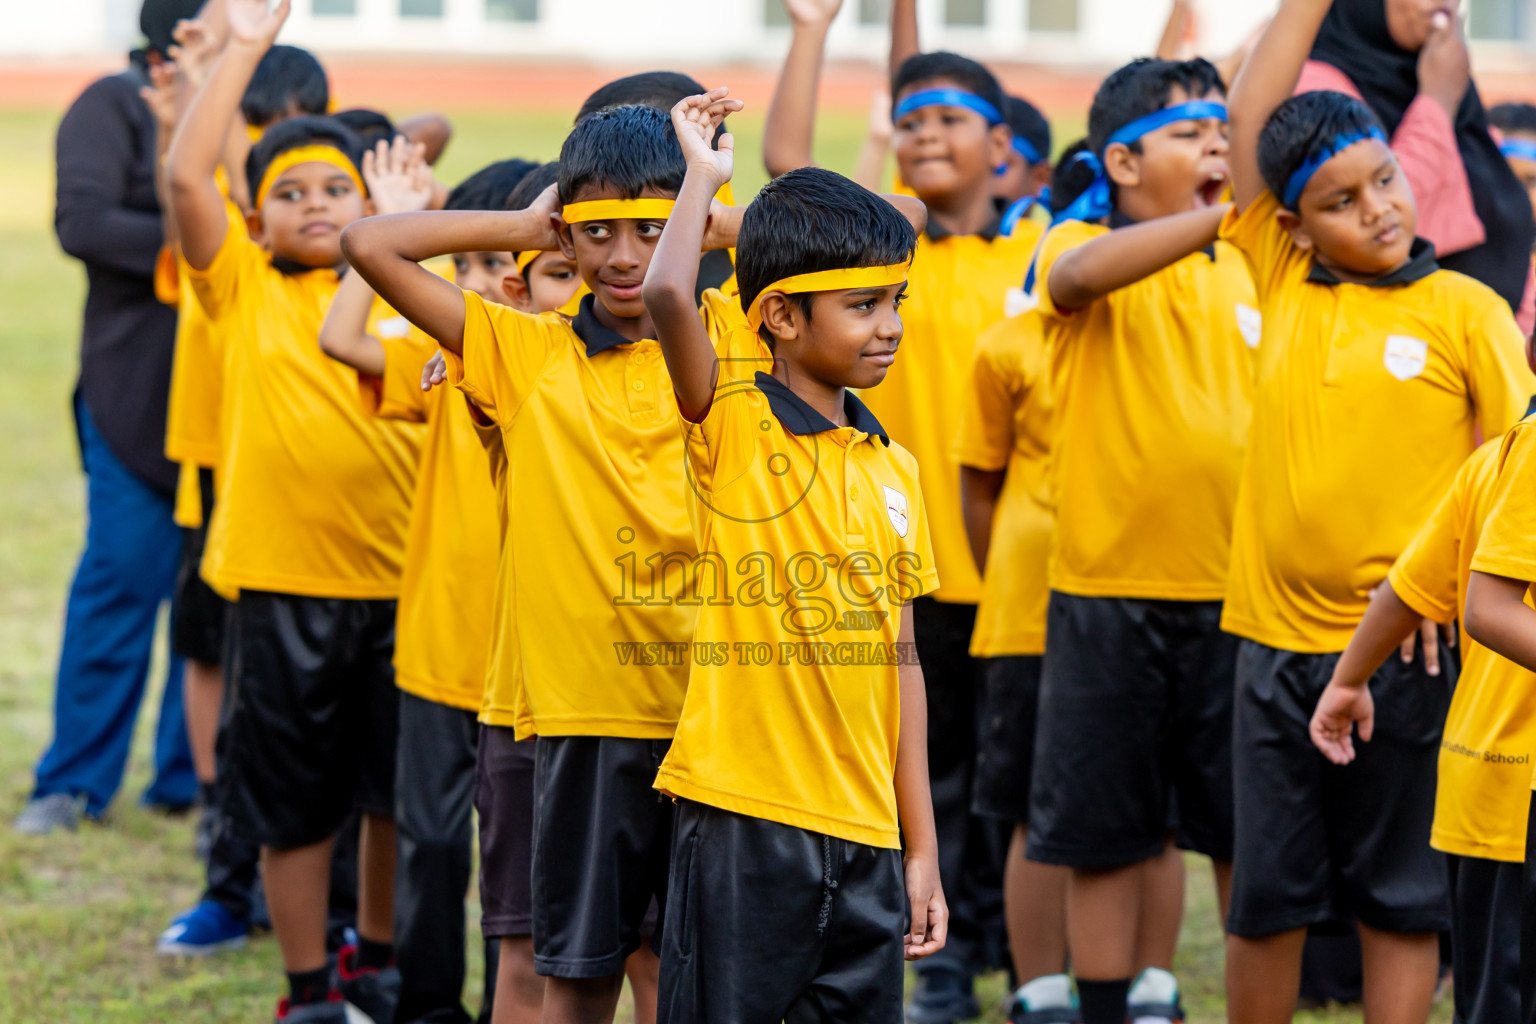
x=79 y=914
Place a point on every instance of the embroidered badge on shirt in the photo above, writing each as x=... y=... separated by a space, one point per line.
x=1405 y=357
x=1250 y=324
x=896 y=508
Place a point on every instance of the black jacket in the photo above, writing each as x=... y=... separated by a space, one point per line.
x=108 y=217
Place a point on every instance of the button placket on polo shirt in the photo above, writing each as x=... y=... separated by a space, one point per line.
x=856 y=499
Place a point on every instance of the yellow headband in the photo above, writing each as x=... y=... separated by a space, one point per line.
x=291 y=158
x=618 y=209
x=828 y=281
x=525 y=259
x=254 y=133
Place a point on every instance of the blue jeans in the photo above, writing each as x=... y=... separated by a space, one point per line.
x=127 y=571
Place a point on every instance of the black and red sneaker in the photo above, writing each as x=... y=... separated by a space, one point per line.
x=372 y=991
x=332 y=1011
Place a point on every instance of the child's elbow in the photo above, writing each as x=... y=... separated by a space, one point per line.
x=1475 y=620
x=358 y=244
x=661 y=293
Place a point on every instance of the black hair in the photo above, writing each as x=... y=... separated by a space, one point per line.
x=964 y=72
x=287 y=77
x=1303 y=127
x=371 y=126
x=532 y=186
x=1069 y=178
x=296 y=132
x=810 y=220
x=489 y=187
x=1028 y=124
x=660 y=89
x=1514 y=117
x=158 y=18
x=630 y=149
x=1143 y=87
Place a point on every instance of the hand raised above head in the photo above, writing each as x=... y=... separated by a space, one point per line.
x=695 y=119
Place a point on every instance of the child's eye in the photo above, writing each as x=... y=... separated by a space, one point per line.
x=335 y=191
x=649 y=229
x=865 y=306
x=597 y=232
x=1386 y=179
x=291 y=195
x=562 y=275
x=461 y=266
x=896 y=302
x=494 y=263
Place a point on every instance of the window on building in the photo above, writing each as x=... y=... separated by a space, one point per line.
x=334 y=8
x=874 y=12
x=512 y=10
x=421 y=8
x=1496 y=19
x=1052 y=16
x=965 y=12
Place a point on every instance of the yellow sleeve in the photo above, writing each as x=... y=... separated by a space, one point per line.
x=1059 y=241
x=1272 y=256
x=504 y=351
x=397 y=395
x=1497 y=375
x=985 y=439
x=1507 y=546
x=217 y=286
x=916 y=572
x=1425 y=575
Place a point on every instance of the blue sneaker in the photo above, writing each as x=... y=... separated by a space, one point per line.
x=206 y=929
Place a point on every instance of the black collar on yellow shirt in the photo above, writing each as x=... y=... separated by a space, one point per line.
x=591 y=331
x=797 y=416
x=936 y=233
x=1421 y=263
x=1120 y=220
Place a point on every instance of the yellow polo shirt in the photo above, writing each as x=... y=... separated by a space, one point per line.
x=1153 y=386
x=958 y=286
x=314 y=495
x=589 y=574
x=443 y=629
x=1370 y=398
x=1005 y=424
x=1482 y=799
x=811 y=537
x=1505 y=547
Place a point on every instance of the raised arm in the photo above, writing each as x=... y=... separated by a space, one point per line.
x=674 y=271
x=387 y=252
x=1123 y=257
x=869 y=168
x=160 y=97
x=198 y=205
x=432 y=131
x=1267 y=79
x=904 y=41
x=1175 y=30
x=914 y=806
x=792 y=114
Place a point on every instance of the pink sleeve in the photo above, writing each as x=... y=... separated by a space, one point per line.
x=1425 y=144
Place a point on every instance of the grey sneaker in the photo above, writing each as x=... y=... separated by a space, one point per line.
x=45 y=814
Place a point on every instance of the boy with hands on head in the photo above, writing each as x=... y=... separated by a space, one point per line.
x=1377 y=373
x=798 y=789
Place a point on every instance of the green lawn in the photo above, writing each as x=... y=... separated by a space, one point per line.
x=79 y=914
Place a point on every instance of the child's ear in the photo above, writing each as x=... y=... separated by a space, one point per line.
x=779 y=317
x=1122 y=166
x=515 y=288
x=254 y=228
x=1000 y=145
x=1297 y=230
x=1039 y=176
x=563 y=232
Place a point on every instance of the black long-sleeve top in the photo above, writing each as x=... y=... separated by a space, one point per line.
x=108 y=217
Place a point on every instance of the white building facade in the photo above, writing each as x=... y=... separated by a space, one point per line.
x=1041 y=31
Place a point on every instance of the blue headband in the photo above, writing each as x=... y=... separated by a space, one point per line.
x=947 y=98
x=1520 y=149
x=1303 y=174
x=1022 y=146
x=1017 y=212
x=1095 y=202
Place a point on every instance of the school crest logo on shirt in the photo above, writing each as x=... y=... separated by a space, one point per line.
x=1250 y=324
x=896 y=508
x=1405 y=357
x=394 y=327
x=1017 y=301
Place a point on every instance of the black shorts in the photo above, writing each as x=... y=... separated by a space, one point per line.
x=766 y=923
x=198 y=615
x=1135 y=712
x=311 y=716
x=1318 y=844
x=601 y=839
x=1005 y=750
x=1485 y=939
x=504 y=800
x=1528 y=922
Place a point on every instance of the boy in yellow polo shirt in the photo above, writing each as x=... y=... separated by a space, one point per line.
x=799 y=762
x=590 y=650
x=308 y=530
x=446 y=590
x=1482 y=792
x=1146 y=322
x=1377 y=373
x=1499 y=615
